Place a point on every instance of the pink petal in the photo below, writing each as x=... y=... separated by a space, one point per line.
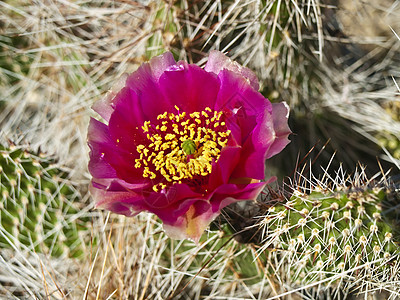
x=229 y=193
x=106 y=156
x=254 y=149
x=217 y=61
x=145 y=83
x=236 y=96
x=250 y=112
x=192 y=224
x=166 y=199
x=146 y=75
x=98 y=135
x=151 y=70
x=122 y=202
x=189 y=87
x=127 y=120
x=201 y=213
x=280 y=115
x=223 y=169
x=98 y=167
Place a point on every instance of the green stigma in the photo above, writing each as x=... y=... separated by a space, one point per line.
x=189 y=147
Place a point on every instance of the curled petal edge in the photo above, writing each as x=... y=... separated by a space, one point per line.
x=217 y=61
x=280 y=115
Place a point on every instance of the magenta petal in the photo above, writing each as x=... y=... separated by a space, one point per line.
x=168 y=197
x=105 y=156
x=151 y=71
x=98 y=134
x=98 y=167
x=121 y=185
x=190 y=88
x=201 y=213
x=236 y=96
x=122 y=202
x=177 y=210
x=251 y=112
x=254 y=150
x=118 y=185
x=145 y=83
x=280 y=115
x=229 y=193
x=192 y=224
x=127 y=120
x=223 y=169
x=217 y=61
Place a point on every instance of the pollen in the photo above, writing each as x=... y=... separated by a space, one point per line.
x=181 y=146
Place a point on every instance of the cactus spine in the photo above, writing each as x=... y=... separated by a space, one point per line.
x=343 y=236
x=39 y=206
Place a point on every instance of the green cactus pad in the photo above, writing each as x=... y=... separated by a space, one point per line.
x=333 y=236
x=39 y=205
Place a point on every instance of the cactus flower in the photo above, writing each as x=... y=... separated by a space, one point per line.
x=183 y=142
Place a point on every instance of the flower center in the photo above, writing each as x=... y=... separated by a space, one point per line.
x=189 y=147
x=181 y=146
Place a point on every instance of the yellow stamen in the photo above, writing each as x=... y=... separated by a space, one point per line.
x=176 y=137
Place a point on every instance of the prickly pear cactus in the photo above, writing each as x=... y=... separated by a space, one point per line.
x=341 y=236
x=39 y=206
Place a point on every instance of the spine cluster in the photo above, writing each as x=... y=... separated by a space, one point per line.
x=341 y=236
x=39 y=205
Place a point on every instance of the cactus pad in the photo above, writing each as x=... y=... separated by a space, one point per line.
x=340 y=236
x=39 y=205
